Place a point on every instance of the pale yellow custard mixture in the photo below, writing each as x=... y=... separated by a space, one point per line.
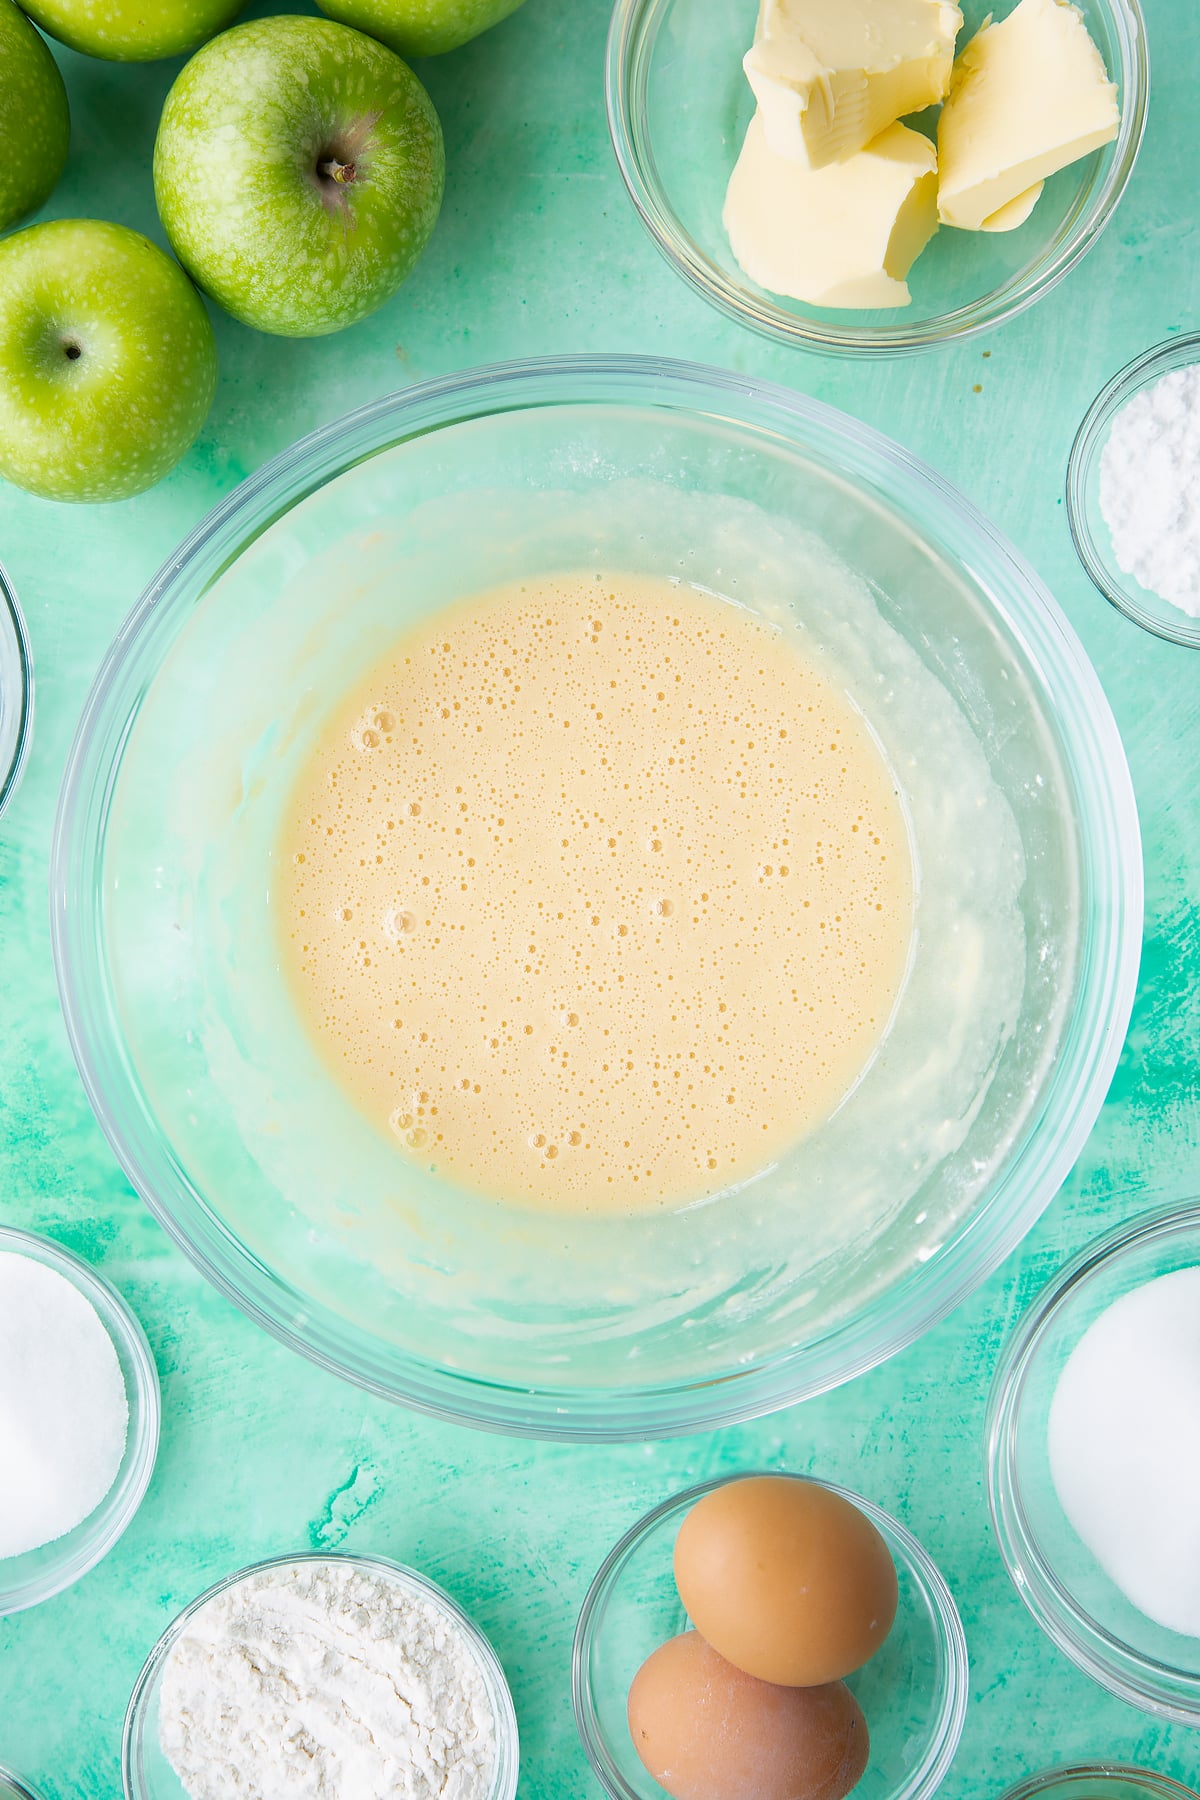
x=596 y=894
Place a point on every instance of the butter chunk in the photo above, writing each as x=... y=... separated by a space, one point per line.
x=830 y=75
x=845 y=235
x=1016 y=212
x=1029 y=95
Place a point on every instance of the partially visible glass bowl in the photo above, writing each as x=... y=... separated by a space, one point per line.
x=146 y=1772
x=678 y=108
x=1074 y=1601
x=13 y=1789
x=16 y=692
x=39 y=1574
x=913 y=1692
x=225 y=1118
x=1085 y=515
x=1099 y=1781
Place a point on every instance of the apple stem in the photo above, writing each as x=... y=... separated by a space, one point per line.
x=333 y=170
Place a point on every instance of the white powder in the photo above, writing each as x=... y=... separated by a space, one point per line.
x=1125 y=1446
x=64 y=1413
x=320 y=1680
x=1150 y=488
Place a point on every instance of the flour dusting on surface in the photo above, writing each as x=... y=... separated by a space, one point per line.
x=326 y=1680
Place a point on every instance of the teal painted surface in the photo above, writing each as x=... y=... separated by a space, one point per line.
x=539 y=251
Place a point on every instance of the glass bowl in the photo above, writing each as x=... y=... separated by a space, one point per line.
x=16 y=692
x=913 y=1692
x=223 y=1115
x=147 y=1774
x=1088 y=527
x=1099 y=1781
x=13 y=1789
x=678 y=108
x=1069 y=1594
x=28 y=1580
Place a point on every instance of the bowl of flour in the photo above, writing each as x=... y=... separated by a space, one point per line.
x=322 y=1677
x=1133 y=491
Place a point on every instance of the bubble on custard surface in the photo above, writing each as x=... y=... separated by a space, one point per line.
x=396 y=922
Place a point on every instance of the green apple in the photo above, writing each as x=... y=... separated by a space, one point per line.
x=132 y=30
x=34 y=121
x=298 y=171
x=421 y=27
x=107 y=361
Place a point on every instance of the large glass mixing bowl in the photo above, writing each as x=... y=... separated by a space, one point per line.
x=882 y=1219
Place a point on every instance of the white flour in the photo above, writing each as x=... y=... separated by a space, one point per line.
x=1150 y=488
x=322 y=1681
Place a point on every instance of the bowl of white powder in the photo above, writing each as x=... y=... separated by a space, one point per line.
x=1133 y=491
x=324 y=1678
x=79 y=1419
x=1094 y=1462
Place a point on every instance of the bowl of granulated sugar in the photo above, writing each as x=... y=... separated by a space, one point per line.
x=1133 y=491
x=79 y=1418
x=1094 y=1461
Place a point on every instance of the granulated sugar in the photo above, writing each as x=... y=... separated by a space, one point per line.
x=1150 y=488
x=1125 y=1446
x=64 y=1413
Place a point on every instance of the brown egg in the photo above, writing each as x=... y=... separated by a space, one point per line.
x=789 y=1582
x=706 y=1731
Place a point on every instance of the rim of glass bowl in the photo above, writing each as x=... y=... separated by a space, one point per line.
x=1153 y=1686
x=1176 y=353
x=951 y=1699
x=16 y=679
x=1110 y=932
x=503 y=1787
x=92 y=1539
x=1155 y=1787
x=635 y=25
x=13 y=1788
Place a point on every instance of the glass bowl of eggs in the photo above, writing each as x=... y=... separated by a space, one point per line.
x=769 y=1637
x=679 y=110
x=1093 y=1453
x=1099 y=1781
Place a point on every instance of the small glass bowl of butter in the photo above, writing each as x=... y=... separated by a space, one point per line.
x=680 y=105
x=1099 y=1781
